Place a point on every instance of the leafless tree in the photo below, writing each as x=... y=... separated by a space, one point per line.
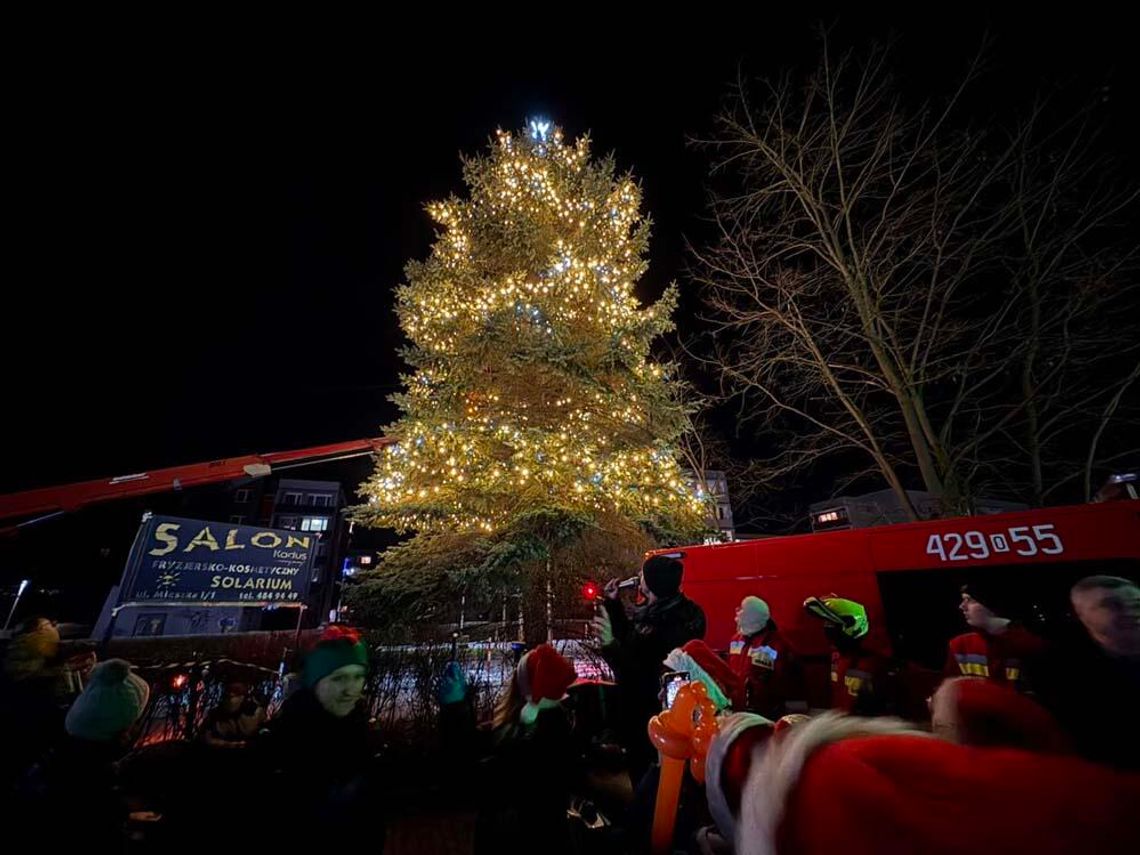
x=869 y=287
x=1079 y=294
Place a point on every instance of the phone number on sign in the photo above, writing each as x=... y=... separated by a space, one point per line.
x=978 y=546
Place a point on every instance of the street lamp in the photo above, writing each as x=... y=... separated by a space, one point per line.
x=15 y=602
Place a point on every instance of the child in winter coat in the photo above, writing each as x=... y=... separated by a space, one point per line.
x=528 y=759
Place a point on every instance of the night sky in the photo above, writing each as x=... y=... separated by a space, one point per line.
x=208 y=228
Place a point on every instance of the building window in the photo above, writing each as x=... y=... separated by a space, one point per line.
x=322 y=548
x=320 y=500
x=288 y=522
x=241 y=496
x=237 y=519
x=720 y=512
x=148 y=626
x=291 y=499
x=315 y=524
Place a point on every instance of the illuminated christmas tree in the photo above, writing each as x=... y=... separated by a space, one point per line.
x=533 y=386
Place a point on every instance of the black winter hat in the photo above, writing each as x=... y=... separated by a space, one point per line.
x=992 y=596
x=663 y=575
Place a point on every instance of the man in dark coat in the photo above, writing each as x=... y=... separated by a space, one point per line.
x=635 y=646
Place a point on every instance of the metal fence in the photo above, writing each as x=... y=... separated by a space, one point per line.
x=401 y=690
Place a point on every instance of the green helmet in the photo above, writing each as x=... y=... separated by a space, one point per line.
x=848 y=616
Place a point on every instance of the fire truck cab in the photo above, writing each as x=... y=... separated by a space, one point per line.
x=908 y=576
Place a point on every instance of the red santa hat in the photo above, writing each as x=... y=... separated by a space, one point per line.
x=727 y=762
x=862 y=786
x=704 y=666
x=986 y=714
x=543 y=676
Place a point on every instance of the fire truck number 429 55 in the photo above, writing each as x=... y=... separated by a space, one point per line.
x=977 y=546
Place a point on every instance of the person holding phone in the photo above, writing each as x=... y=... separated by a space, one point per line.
x=671 y=683
x=635 y=643
x=698 y=663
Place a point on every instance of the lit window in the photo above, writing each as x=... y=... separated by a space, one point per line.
x=315 y=524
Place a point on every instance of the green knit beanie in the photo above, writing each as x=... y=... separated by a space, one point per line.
x=331 y=654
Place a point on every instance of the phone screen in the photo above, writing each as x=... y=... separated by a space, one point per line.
x=673 y=682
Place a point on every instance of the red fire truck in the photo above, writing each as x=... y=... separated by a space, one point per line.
x=908 y=576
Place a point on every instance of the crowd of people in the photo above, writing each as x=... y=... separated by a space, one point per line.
x=1027 y=748
x=286 y=779
x=1031 y=733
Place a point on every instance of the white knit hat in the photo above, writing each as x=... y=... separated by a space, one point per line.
x=754 y=615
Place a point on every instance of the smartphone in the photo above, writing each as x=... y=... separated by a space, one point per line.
x=671 y=682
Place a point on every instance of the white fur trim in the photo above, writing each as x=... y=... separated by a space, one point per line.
x=776 y=769
x=679 y=660
x=528 y=715
x=731 y=727
x=676 y=659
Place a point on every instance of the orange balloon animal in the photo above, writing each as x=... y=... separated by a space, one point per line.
x=680 y=733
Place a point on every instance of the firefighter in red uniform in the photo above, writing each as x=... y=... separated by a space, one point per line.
x=765 y=664
x=859 y=675
x=997 y=648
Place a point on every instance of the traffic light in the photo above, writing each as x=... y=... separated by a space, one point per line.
x=591 y=591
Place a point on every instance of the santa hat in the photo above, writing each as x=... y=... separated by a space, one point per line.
x=704 y=666
x=862 y=786
x=543 y=676
x=113 y=699
x=727 y=762
x=740 y=738
x=339 y=646
x=991 y=715
x=754 y=615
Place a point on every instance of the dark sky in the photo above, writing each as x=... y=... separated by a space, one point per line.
x=208 y=226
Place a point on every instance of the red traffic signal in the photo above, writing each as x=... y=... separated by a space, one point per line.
x=591 y=591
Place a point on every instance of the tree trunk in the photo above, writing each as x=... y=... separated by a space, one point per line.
x=901 y=389
x=899 y=489
x=549 y=605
